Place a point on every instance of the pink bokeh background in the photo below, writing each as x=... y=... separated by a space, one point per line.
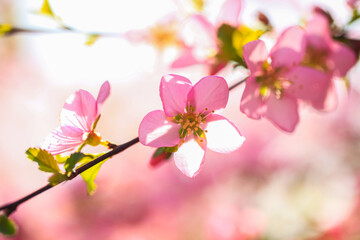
x=303 y=185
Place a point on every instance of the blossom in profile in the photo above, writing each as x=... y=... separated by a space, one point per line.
x=203 y=47
x=78 y=120
x=274 y=89
x=326 y=56
x=188 y=124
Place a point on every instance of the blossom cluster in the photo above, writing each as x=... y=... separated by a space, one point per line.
x=300 y=69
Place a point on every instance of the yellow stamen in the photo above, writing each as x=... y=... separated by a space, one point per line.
x=189 y=131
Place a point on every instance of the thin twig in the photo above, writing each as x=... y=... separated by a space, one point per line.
x=17 y=30
x=237 y=84
x=11 y=207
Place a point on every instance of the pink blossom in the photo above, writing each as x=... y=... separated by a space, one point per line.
x=353 y=3
x=189 y=123
x=273 y=90
x=326 y=56
x=78 y=119
x=204 y=49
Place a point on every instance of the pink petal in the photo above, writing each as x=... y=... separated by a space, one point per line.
x=283 y=112
x=229 y=13
x=308 y=84
x=255 y=55
x=205 y=29
x=156 y=130
x=211 y=92
x=186 y=59
x=318 y=33
x=63 y=139
x=190 y=156
x=222 y=135
x=343 y=58
x=173 y=92
x=329 y=98
x=103 y=93
x=353 y=3
x=289 y=49
x=251 y=102
x=80 y=110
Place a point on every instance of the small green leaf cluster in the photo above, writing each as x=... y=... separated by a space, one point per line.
x=71 y=163
x=7 y=227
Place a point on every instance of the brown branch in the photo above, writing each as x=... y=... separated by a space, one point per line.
x=237 y=84
x=64 y=29
x=11 y=207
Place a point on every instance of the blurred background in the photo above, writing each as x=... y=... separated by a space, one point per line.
x=277 y=186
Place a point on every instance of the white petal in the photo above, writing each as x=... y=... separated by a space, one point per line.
x=190 y=156
x=222 y=135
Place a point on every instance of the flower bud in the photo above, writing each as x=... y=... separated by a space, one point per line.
x=159 y=156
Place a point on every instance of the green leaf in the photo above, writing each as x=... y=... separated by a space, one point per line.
x=171 y=149
x=90 y=174
x=72 y=161
x=61 y=159
x=89 y=178
x=46 y=161
x=225 y=35
x=57 y=178
x=7 y=226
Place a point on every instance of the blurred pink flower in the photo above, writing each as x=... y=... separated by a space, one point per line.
x=188 y=122
x=273 y=89
x=326 y=56
x=78 y=120
x=231 y=223
x=353 y=3
x=205 y=49
x=164 y=34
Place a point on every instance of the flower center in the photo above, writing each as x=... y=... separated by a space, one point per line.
x=271 y=80
x=316 y=58
x=163 y=36
x=191 y=122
